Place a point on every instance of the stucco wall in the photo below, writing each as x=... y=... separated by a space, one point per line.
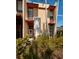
x=41 y=14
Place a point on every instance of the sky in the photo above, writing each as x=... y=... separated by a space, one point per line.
x=60 y=10
x=60 y=14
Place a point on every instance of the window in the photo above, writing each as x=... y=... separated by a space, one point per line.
x=30 y=12
x=50 y=13
x=19 y=6
x=51 y=17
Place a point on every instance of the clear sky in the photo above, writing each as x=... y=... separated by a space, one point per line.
x=60 y=10
x=60 y=13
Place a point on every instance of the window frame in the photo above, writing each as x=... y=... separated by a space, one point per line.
x=17 y=3
x=28 y=12
x=50 y=13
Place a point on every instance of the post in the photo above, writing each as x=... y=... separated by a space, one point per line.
x=57 y=5
x=23 y=17
x=46 y=16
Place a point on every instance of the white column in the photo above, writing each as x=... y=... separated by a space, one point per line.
x=46 y=16
x=57 y=6
x=23 y=1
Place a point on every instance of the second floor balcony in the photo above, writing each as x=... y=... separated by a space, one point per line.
x=51 y=20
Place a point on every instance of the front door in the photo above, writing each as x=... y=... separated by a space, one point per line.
x=31 y=31
x=51 y=29
x=18 y=27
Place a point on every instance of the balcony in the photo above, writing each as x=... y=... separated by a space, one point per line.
x=29 y=20
x=51 y=21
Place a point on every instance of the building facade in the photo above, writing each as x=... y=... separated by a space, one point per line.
x=26 y=22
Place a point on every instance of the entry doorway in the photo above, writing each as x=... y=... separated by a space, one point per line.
x=31 y=31
x=18 y=27
x=51 y=29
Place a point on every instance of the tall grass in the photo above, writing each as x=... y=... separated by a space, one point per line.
x=44 y=48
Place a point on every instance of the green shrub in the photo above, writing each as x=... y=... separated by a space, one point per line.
x=21 y=46
x=42 y=48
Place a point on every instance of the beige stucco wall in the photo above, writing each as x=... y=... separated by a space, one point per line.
x=41 y=14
